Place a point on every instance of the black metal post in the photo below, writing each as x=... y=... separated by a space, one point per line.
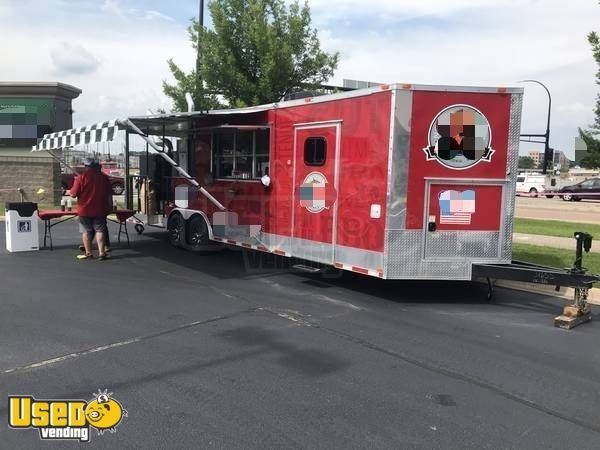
x=201 y=25
x=200 y=86
x=547 y=134
x=128 y=183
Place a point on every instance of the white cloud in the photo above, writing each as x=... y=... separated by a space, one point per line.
x=112 y=7
x=153 y=15
x=399 y=9
x=574 y=108
x=73 y=59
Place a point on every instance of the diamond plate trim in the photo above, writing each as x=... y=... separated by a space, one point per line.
x=406 y=260
x=459 y=244
x=514 y=134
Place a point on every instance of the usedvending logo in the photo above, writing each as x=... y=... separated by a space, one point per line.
x=66 y=419
x=313 y=192
x=460 y=136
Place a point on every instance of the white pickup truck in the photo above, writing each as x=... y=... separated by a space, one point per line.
x=532 y=184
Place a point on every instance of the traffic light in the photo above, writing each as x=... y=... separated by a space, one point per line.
x=548 y=158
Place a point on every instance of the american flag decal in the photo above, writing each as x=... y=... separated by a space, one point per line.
x=456 y=207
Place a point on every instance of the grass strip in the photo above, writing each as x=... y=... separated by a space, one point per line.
x=554 y=227
x=554 y=257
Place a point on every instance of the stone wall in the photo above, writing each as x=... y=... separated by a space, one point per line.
x=29 y=174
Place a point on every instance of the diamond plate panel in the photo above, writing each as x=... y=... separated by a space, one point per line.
x=406 y=260
x=453 y=244
x=514 y=133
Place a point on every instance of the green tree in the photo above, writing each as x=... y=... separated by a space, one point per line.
x=592 y=159
x=188 y=82
x=594 y=41
x=258 y=51
x=525 y=162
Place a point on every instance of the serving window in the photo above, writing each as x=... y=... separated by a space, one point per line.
x=240 y=153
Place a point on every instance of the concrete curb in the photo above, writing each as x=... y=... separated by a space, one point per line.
x=563 y=293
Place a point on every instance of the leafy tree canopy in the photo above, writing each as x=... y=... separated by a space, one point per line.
x=592 y=159
x=525 y=162
x=258 y=51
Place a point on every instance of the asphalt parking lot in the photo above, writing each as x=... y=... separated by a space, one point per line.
x=236 y=350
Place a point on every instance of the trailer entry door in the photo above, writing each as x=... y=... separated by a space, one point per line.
x=315 y=181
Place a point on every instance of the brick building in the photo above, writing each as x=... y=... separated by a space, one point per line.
x=28 y=110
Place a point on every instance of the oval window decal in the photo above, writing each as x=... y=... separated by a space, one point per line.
x=460 y=136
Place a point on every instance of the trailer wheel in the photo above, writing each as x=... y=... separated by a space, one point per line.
x=533 y=192
x=549 y=196
x=139 y=228
x=197 y=234
x=176 y=228
x=118 y=188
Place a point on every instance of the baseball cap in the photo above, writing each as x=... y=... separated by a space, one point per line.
x=90 y=162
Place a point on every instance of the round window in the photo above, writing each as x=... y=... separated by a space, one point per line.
x=459 y=137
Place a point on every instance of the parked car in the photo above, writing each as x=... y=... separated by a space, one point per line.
x=531 y=183
x=116 y=183
x=585 y=189
x=112 y=168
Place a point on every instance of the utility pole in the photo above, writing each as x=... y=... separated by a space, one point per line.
x=548 y=152
x=200 y=83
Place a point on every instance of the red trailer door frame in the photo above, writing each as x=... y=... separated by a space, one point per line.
x=315 y=181
x=464 y=218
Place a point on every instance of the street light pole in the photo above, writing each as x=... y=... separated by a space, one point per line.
x=201 y=26
x=199 y=82
x=546 y=136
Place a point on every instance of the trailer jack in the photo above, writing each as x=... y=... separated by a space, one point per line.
x=579 y=311
x=575 y=313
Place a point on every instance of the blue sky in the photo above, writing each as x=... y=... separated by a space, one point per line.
x=116 y=50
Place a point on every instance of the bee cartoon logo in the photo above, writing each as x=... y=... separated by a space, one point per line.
x=104 y=413
x=66 y=419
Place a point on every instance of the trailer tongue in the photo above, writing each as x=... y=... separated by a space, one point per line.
x=577 y=278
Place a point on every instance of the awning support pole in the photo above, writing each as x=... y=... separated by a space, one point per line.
x=60 y=160
x=128 y=183
x=128 y=123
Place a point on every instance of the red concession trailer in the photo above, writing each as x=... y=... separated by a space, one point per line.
x=396 y=182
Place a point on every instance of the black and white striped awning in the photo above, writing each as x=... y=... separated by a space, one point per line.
x=92 y=134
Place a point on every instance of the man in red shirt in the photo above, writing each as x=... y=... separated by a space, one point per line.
x=92 y=189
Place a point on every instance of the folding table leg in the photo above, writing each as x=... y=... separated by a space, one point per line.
x=47 y=233
x=127 y=235
x=123 y=230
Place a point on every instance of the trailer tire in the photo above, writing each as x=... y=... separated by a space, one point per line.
x=197 y=236
x=533 y=192
x=117 y=188
x=139 y=228
x=176 y=229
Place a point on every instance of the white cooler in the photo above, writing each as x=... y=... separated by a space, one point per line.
x=22 y=227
